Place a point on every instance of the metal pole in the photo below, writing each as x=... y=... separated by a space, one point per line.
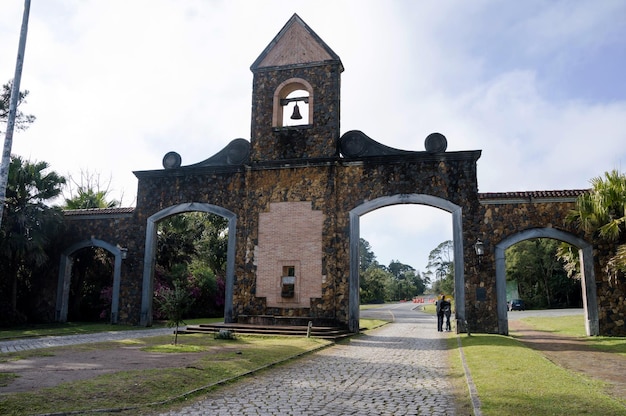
x=15 y=93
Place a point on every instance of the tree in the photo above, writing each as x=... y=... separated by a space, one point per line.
x=366 y=255
x=212 y=244
x=374 y=284
x=568 y=255
x=541 y=278
x=176 y=241
x=91 y=287
x=407 y=282
x=30 y=225
x=174 y=303
x=197 y=242
x=88 y=192
x=15 y=120
x=602 y=212
x=399 y=270
x=22 y=121
x=441 y=267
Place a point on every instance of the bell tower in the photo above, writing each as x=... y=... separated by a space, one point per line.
x=295 y=97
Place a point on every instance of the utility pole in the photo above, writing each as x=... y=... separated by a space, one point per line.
x=15 y=93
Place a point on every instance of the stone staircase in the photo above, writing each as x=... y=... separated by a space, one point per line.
x=324 y=332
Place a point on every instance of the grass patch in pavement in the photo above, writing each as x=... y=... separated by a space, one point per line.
x=128 y=389
x=6 y=378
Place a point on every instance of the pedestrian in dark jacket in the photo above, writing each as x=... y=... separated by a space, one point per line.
x=447 y=311
x=441 y=306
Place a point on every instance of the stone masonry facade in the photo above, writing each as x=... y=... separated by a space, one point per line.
x=292 y=191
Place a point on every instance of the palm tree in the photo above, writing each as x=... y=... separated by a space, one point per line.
x=29 y=223
x=89 y=198
x=603 y=211
x=88 y=192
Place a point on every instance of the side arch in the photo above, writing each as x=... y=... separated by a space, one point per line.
x=585 y=252
x=65 y=277
x=150 y=253
x=421 y=199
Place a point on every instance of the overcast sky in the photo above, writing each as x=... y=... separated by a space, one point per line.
x=538 y=86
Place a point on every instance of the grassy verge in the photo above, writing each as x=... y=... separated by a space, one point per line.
x=571 y=326
x=218 y=360
x=456 y=376
x=512 y=379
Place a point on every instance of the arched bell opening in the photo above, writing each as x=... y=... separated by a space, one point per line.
x=293 y=104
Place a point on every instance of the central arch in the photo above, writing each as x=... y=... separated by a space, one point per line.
x=150 y=253
x=585 y=252
x=421 y=199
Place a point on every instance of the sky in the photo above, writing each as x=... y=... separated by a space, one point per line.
x=537 y=85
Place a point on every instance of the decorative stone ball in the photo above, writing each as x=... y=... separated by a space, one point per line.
x=171 y=160
x=435 y=143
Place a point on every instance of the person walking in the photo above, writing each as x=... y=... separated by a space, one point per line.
x=447 y=311
x=443 y=309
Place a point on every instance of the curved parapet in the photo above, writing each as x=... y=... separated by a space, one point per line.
x=237 y=152
x=355 y=143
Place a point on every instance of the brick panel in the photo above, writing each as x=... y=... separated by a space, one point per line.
x=290 y=234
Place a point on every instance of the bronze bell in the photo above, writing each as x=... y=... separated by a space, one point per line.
x=296 y=113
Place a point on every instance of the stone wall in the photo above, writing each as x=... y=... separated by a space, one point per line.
x=611 y=291
x=334 y=186
x=507 y=214
x=117 y=226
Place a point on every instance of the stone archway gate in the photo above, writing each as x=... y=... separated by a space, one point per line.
x=295 y=193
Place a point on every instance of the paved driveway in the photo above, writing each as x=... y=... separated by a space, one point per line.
x=398 y=369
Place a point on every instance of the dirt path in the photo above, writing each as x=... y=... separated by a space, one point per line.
x=72 y=364
x=576 y=355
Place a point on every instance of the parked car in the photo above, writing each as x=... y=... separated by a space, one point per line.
x=517 y=305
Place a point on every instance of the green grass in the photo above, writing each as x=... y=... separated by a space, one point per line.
x=128 y=389
x=430 y=308
x=513 y=379
x=366 y=324
x=6 y=379
x=573 y=326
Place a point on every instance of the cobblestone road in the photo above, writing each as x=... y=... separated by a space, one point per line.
x=398 y=369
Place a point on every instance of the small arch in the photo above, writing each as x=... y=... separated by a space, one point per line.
x=585 y=251
x=65 y=277
x=281 y=93
x=457 y=237
x=150 y=253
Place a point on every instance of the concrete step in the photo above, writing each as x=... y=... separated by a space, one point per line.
x=332 y=333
